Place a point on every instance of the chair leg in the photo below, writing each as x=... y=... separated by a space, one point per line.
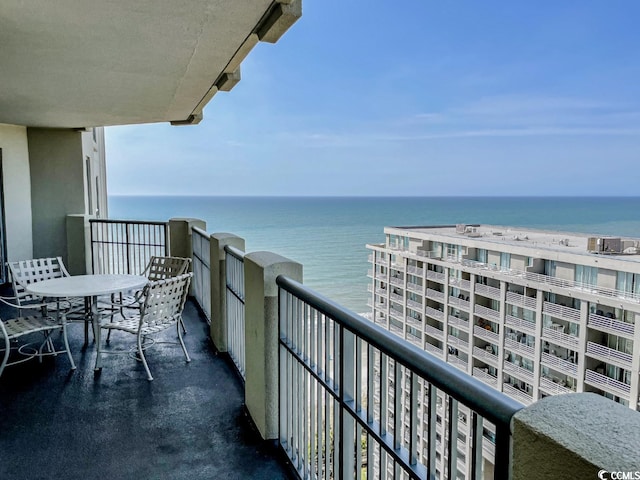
x=7 y=350
x=98 y=365
x=66 y=344
x=184 y=330
x=184 y=349
x=144 y=360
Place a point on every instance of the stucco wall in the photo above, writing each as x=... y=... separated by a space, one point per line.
x=17 y=191
x=57 y=186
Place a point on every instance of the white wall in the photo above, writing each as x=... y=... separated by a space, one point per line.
x=17 y=191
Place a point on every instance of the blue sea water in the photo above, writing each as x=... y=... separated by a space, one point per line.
x=328 y=234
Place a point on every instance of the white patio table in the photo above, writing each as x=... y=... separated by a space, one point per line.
x=90 y=287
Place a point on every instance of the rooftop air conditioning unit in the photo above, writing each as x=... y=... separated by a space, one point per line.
x=604 y=245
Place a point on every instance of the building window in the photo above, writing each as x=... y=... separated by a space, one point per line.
x=628 y=282
x=586 y=275
x=505 y=260
x=481 y=255
x=550 y=268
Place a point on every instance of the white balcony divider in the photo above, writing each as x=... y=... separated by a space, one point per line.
x=234 y=259
x=200 y=244
x=350 y=393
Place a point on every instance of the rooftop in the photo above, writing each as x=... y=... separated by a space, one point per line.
x=576 y=243
x=188 y=423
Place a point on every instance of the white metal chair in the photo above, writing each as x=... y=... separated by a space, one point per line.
x=11 y=330
x=162 y=305
x=158 y=268
x=26 y=272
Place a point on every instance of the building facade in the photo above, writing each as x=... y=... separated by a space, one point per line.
x=531 y=313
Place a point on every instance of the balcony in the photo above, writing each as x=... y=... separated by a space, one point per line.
x=518 y=372
x=486 y=334
x=611 y=325
x=561 y=312
x=435 y=295
x=517 y=394
x=607 y=384
x=524 y=326
x=555 y=335
x=486 y=355
x=519 y=348
x=118 y=425
x=559 y=364
x=436 y=276
x=487 y=291
x=609 y=355
x=553 y=386
x=486 y=312
x=459 y=302
x=310 y=336
x=458 y=323
x=521 y=300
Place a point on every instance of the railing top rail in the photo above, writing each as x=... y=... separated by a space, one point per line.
x=234 y=252
x=488 y=402
x=128 y=222
x=199 y=231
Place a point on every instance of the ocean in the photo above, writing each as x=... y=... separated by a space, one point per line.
x=328 y=234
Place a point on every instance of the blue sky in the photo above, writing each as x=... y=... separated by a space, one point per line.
x=413 y=98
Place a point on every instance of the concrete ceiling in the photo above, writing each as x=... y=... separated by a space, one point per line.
x=85 y=63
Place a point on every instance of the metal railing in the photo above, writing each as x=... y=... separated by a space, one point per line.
x=125 y=246
x=333 y=366
x=200 y=244
x=234 y=260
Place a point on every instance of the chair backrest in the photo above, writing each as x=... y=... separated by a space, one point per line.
x=26 y=272
x=161 y=268
x=164 y=301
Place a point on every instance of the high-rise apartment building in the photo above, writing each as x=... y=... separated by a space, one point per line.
x=531 y=313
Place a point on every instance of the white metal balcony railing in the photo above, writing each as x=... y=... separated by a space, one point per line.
x=562 y=312
x=485 y=377
x=524 y=326
x=414 y=287
x=396 y=281
x=608 y=384
x=456 y=362
x=486 y=312
x=521 y=300
x=432 y=349
x=415 y=270
x=487 y=356
x=417 y=306
x=485 y=334
x=487 y=291
x=559 y=364
x=457 y=343
x=234 y=259
x=553 y=387
x=435 y=276
x=517 y=394
x=328 y=357
x=458 y=322
x=202 y=270
x=433 y=313
x=413 y=322
x=434 y=332
x=396 y=297
x=519 y=348
x=460 y=283
x=435 y=295
x=518 y=372
x=370 y=288
x=609 y=355
x=611 y=325
x=556 y=336
x=459 y=302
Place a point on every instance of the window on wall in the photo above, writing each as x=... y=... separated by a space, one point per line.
x=481 y=255
x=628 y=282
x=550 y=268
x=586 y=275
x=505 y=260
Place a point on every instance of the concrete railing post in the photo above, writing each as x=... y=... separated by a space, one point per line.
x=78 y=255
x=261 y=336
x=180 y=244
x=218 y=273
x=577 y=435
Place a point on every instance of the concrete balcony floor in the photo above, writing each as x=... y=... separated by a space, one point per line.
x=189 y=423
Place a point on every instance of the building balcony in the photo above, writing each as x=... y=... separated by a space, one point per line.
x=520 y=348
x=518 y=372
x=611 y=325
x=415 y=270
x=414 y=287
x=555 y=335
x=458 y=322
x=480 y=374
x=521 y=300
x=485 y=334
x=118 y=425
x=552 y=386
x=459 y=303
x=433 y=313
x=417 y=306
x=517 y=394
x=561 y=365
x=486 y=312
x=524 y=326
x=486 y=355
x=487 y=291
x=608 y=384
x=436 y=276
x=460 y=283
x=561 y=312
x=435 y=295
x=609 y=355
x=434 y=332
x=457 y=343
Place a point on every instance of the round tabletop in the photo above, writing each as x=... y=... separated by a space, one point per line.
x=87 y=285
